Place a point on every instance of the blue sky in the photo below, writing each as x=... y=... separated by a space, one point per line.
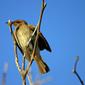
x=63 y=25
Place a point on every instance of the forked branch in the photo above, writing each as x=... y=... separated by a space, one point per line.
x=75 y=71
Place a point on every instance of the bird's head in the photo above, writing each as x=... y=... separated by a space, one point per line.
x=16 y=22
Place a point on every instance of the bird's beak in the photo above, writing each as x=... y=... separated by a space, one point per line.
x=9 y=22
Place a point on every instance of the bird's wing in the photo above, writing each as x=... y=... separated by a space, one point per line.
x=42 y=42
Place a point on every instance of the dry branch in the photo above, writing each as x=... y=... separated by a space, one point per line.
x=29 y=76
x=37 y=28
x=75 y=71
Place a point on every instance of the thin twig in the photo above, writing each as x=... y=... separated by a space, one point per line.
x=24 y=82
x=75 y=71
x=23 y=68
x=21 y=71
x=39 y=22
x=16 y=56
x=29 y=76
x=37 y=28
x=15 y=47
x=41 y=13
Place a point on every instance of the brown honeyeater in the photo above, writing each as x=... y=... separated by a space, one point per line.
x=22 y=35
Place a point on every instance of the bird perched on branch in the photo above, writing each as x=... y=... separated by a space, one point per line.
x=22 y=34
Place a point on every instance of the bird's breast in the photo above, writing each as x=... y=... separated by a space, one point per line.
x=23 y=35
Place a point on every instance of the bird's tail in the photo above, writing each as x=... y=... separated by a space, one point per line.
x=43 y=68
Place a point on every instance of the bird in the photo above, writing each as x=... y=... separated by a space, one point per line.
x=22 y=34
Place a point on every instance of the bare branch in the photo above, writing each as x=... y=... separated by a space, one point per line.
x=29 y=76
x=39 y=21
x=16 y=55
x=41 y=13
x=76 y=62
x=75 y=71
x=16 y=58
x=37 y=28
x=21 y=71
x=15 y=47
x=23 y=68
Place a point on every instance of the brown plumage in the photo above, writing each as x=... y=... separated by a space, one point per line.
x=23 y=33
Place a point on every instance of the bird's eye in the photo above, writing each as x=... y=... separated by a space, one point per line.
x=18 y=22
